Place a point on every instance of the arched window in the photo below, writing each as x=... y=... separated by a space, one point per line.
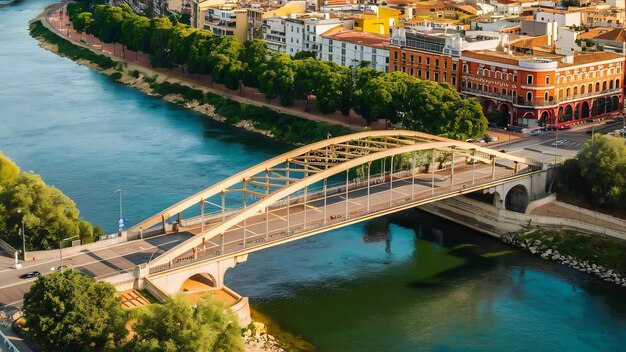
x=529 y=96
x=498 y=75
x=567 y=92
x=561 y=93
x=617 y=84
x=582 y=89
x=610 y=84
x=597 y=87
x=575 y=90
x=604 y=85
x=590 y=88
x=545 y=96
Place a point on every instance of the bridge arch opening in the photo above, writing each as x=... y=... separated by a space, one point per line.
x=517 y=199
x=199 y=282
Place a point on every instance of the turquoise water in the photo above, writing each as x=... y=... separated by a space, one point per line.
x=403 y=283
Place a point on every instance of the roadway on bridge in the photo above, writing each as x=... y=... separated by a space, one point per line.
x=96 y=263
x=261 y=228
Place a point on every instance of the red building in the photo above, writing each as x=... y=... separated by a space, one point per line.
x=544 y=88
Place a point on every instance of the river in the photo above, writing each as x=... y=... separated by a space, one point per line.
x=401 y=283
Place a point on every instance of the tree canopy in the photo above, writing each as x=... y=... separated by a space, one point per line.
x=48 y=214
x=420 y=105
x=69 y=311
x=598 y=174
x=176 y=326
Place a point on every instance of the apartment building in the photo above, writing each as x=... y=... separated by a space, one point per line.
x=352 y=48
x=433 y=54
x=304 y=32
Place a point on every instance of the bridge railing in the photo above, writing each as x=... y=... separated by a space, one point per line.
x=6 y=344
x=360 y=212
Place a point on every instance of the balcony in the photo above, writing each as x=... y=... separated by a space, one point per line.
x=532 y=103
x=486 y=94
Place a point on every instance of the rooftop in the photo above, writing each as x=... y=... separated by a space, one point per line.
x=513 y=58
x=362 y=38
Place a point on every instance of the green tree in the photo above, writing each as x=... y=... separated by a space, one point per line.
x=69 y=311
x=253 y=57
x=160 y=32
x=82 y=22
x=8 y=171
x=48 y=214
x=279 y=79
x=603 y=169
x=175 y=326
x=304 y=54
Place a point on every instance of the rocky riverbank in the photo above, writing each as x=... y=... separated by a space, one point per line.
x=546 y=249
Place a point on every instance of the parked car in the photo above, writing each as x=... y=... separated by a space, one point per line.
x=565 y=127
x=536 y=132
x=30 y=275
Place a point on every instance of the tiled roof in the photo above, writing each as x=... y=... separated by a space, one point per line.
x=361 y=38
x=616 y=35
x=593 y=33
x=514 y=58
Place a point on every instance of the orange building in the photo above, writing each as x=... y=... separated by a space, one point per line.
x=544 y=89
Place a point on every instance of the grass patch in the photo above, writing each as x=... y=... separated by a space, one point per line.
x=149 y=297
x=604 y=251
x=69 y=50
x=116 y=75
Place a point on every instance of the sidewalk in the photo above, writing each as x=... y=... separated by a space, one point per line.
x=58 y=22
x=553 y=209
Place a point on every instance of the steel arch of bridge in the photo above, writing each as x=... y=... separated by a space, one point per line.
x=294 y=171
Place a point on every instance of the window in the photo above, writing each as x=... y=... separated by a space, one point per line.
x=419 y=59
x=427 y=61
x=445 y=64
x=436 y=75
x=419 y=73
x=411 y=58
x=436 y=62
x=547 y=80
x=529 y=97
x=403 y=69
x=545 y=96
x=403 y=56
x=454 y=66
x=503 y=91
x=464 y=68
x=411 y=71
x=529 y=79
x=395 y=55
x=453 y=81
x=427 y=74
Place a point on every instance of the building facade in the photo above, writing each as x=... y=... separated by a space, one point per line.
x=434 y=54
x=350 y=48
x=546 y=89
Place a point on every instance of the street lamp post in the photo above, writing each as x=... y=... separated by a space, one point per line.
x=61 y=250
x=121 y=220
x=19 y=211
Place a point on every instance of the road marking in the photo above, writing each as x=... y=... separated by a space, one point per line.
x=85 y=264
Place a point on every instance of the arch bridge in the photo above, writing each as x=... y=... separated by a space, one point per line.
x=325 y=185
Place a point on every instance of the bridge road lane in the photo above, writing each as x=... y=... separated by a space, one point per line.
x=105 y=261
x=256 y=225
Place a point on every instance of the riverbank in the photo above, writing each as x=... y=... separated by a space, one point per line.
x=602 y=257
x=578 y=242
x=252 y=117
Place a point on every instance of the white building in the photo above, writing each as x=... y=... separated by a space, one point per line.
x=350 y=48
x=304 y=33
x=561 y=17
x=274 y=34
